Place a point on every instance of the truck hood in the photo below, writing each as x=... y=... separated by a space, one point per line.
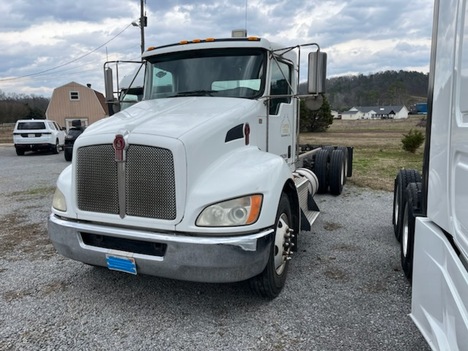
x=171 y=117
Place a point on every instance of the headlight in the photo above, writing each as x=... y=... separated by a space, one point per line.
x=241 y=211
x=59 y=202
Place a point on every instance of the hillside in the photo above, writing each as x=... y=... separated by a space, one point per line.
x=383 y=88
x=380 y=89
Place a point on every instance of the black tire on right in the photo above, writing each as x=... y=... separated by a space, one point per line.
x=321 y=170
x=344 y=149
x=404 y=177
x=337 y=172
x=349 y=171
x=411 y=208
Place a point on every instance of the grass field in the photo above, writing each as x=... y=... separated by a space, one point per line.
x=378 y=153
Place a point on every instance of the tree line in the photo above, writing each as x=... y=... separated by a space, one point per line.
x=19 y=106
x=379 y=89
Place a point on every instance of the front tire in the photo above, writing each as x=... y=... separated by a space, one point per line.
x=68 y=154
x=271 y=281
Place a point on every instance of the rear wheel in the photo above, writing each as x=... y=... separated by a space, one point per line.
x=321 y=170
x=411 y=207
x=344 y=149
x=19 y=152
x=56 y=147
x=271 y=281
x=404 y=177
x=337 y=172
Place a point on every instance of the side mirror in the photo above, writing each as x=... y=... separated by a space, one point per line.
x=317 y=73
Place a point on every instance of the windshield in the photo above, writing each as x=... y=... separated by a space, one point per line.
x=221 y=72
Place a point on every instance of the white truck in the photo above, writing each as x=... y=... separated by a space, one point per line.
x=430 y=210
x=203 y=180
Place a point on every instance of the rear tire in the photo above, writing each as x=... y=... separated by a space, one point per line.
x=337 y=172
x=411 y=207
x=321 y=170
x=404 y=177
x=344 y=149
x=56 y=148
x=271 y=281
x=19 y=152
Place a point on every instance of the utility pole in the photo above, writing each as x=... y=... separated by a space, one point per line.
x=142 y=23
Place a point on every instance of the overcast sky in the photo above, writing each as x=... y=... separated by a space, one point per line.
x=48 y=43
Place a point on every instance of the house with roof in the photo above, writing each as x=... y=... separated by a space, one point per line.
x=376 y=112
x=74 y=101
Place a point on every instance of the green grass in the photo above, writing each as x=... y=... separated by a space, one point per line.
x=378 y=152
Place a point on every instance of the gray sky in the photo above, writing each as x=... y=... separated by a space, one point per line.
x=48 y=43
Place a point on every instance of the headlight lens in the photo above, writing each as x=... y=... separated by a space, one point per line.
x=241 y=211
x=59 y=202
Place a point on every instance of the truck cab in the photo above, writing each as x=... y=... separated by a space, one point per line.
x=201 y=180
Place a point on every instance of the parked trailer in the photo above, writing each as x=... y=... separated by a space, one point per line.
x=430 y=210
x=202 y=180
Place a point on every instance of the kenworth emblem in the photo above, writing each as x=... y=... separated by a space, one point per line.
x=119 y=147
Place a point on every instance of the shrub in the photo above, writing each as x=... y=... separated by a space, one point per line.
x=412 y=140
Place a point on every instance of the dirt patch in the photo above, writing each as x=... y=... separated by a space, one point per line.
x=13 y=295
x=336 y=274
x=21 y=237
x=330 y=226
x=375 y=287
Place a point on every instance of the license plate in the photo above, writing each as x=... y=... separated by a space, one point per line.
x=31 y=135
x=121 y=264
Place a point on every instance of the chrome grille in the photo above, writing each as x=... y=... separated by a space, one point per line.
x=149 y=181
x=97 y=179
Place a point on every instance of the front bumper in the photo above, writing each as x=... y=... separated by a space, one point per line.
x=192 y=258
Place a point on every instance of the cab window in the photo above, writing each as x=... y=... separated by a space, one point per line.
x=280 y=76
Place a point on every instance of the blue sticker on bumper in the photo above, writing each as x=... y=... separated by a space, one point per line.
x=121 y=264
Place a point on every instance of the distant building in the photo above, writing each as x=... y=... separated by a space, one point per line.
x=336 y=114
x=376 y=112
x=74 y=101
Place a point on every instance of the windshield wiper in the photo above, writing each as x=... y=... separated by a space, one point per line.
x=194 y=93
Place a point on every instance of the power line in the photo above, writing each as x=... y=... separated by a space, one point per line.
x=66 y=63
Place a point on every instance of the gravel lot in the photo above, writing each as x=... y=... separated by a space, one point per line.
x=345 y=289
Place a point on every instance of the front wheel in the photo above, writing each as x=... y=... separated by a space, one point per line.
x=68 y=154
x=271 y=281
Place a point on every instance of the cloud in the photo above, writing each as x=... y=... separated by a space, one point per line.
x=360 y=36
